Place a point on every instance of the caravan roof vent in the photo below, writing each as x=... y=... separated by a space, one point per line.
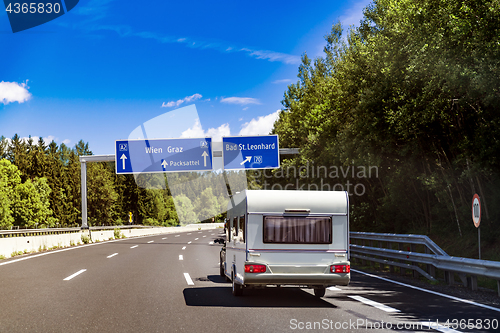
x=303 y=211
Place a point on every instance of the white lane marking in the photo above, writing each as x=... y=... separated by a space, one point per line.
x=73 y=275
x=188 y=279
x=133 y=247
x=438 y=327
x=164 y=238
x=112 y=255
x=189 y=242
x=11 y=261
x=374 y=304
x=212 y=234
x=196 y=238
x=199 y=232
x=211 y=243
x=177 y=235
x=429 y=291
x=333 y=288
x=181 y=257
x=150 y=242
x=184 y=248
x=189 y=233
x=204 y=235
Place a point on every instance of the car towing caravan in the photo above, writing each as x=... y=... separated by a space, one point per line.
x=296 y=238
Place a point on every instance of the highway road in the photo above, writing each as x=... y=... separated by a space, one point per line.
x=171 y=283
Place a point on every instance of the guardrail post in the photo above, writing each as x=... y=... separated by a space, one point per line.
x=363 y=262
x=449 y=277
x=473 y=282
x=371 y=245
x=401 y=269
x=413 y=249
x=430 y=268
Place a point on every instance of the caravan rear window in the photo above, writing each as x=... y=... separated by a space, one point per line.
x=297 y=230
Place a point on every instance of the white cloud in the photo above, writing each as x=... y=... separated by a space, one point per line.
x=273 y=56
x=282 y=81
x=186 y=99
x=260 y=126
x=11 y=92
x=215 y=133
x=240 y=100
x=66 y=142
x=245 y=108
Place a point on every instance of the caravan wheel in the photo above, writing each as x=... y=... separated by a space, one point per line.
x=319 y=292
x=221 y=268
x=237 y=288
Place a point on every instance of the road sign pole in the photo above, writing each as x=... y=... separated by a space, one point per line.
x=479 y=240
x=83 y=166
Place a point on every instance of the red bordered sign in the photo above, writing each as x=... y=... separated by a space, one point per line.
x=476 y=210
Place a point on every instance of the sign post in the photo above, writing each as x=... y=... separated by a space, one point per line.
x=476 y=218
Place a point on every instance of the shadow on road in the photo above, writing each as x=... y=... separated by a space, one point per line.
x=268 y=298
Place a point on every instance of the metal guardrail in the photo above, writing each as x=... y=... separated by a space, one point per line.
x=434 y=257
x=45 y=231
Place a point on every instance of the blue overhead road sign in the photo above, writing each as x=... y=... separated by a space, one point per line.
x=163 y=155
x=250 y=152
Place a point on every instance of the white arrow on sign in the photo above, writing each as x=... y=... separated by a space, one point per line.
x=247 y=159
x=204 y=158
x=164 y=164
x=123 y=158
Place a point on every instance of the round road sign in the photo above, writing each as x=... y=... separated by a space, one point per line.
x=476 y=210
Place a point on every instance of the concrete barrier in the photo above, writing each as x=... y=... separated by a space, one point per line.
x=28 y=244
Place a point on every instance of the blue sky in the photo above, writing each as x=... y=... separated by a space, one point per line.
x=106 y=67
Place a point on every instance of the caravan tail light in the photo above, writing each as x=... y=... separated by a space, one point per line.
x=255 y=268
x=340 y=268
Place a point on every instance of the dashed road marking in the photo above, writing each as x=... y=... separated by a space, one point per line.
x=189 y=233
x=164 y=238
x=211 y=243
x=204 y=235
x=150 y=242
x=428 y=291
x=188 y=279
x=189 y=242
x=196 y=238
x=133 y=247
x=177 y=235
x=374 y=304
x=184 y=248
x=112 y=255
x=73 y=275
x=181 y=257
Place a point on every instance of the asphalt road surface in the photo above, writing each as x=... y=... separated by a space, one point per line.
x=171 y=283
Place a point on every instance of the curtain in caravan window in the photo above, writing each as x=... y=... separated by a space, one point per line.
x=297 y=230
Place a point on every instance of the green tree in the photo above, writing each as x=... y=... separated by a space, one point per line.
x=185 y=210
x=31 y=207
x=207 y=206
x=10 y=177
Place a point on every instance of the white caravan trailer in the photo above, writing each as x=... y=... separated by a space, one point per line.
x=298 y=238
